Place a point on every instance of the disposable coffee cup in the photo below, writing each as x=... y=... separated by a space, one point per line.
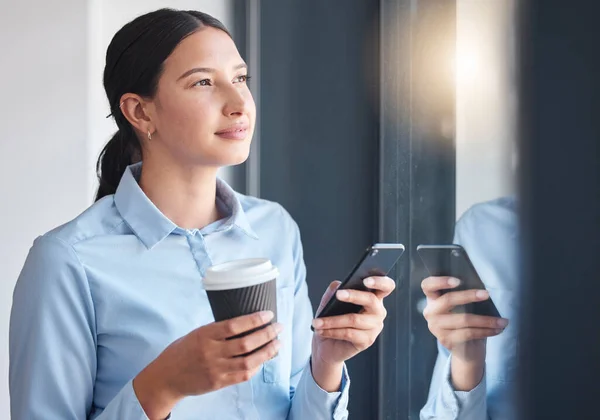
x=241 y=287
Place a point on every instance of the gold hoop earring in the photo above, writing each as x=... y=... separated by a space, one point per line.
x=149 y=135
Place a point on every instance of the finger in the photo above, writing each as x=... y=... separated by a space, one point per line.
x=465 y=335
x=432 y=286
x=449 y=301
x=368 y=300
x=239 y=377
x=356 y=321
x=251 y=342
x=252 y=361
x=242 y=324
x=328 y=294
x=382 y=286
x=458 y=321
x=361 y=339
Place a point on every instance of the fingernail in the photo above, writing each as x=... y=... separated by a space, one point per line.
x=502 y=323
x=482 y=294
x=278 y=328
x=343 y=294
x=317 y=323
x=453 y=282
x=266 y=316
x=369 y=282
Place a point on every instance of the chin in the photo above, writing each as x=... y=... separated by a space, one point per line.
x=219 y=155
x=232 y=158
x=236 y=155
x=238 y=161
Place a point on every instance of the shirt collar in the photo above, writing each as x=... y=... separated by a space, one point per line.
x=151 y=226
x=234 y=212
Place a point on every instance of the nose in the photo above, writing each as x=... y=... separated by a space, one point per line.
x=235 y=104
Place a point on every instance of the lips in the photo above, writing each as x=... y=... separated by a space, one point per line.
x=236 y=132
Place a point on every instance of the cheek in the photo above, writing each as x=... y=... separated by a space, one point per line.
x=190 y=118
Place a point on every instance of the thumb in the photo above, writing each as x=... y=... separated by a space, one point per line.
x=328 y=294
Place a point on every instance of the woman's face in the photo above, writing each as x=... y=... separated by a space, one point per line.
x=203 y=112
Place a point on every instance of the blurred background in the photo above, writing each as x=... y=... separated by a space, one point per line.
x=378 y=121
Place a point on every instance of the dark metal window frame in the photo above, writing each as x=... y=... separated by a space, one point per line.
x=417 y=183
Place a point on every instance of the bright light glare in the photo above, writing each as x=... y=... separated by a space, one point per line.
x=466 y=65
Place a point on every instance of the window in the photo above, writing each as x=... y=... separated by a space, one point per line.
x=384 y=121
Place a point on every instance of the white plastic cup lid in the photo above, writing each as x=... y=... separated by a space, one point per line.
x=239 y=273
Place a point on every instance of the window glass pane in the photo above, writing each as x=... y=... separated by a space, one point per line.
x=477 y=376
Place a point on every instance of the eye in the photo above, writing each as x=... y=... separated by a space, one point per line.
x=241 y=79
x=203 y=82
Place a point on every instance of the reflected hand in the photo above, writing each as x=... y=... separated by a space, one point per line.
x=463 y=334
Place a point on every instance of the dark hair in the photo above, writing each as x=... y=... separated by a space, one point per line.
x=134 y=64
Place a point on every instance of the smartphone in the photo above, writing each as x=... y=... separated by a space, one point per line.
x=453 y=261
x=377 y=260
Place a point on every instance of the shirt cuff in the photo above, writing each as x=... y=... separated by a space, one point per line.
x=462 y=402
x=325 y=403
x=136 y=406
x=124 y=406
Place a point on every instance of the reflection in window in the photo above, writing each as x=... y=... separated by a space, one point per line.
x=472 y=379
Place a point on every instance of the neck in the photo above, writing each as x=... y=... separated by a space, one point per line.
x=187 y=196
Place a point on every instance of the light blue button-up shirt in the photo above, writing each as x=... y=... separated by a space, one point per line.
x=489 y=232
x=100 y=297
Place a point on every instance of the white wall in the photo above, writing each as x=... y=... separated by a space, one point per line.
x=52 y=118
x=485 y=102
x=42 y=148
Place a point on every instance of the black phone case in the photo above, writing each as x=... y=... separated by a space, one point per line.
x=375 y=262
x=453 y=261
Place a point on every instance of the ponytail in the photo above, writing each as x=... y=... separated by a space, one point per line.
x=120 y=152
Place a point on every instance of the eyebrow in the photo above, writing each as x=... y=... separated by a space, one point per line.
x=208 y=70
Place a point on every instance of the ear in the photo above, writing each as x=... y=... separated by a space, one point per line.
x=138 y=112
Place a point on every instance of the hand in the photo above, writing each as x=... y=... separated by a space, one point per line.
x=205 y=360
x=463 y=334
x=339 y=338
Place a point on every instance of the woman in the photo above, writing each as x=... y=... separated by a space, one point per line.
x=109 y=318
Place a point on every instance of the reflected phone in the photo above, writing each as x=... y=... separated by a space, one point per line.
x=378 y=260
x=453 y=261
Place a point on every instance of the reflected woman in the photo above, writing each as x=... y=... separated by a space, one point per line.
x=474 y=375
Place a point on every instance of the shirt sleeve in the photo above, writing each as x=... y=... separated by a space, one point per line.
x=445 y=403
x=309 y=401
x=52 y=341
